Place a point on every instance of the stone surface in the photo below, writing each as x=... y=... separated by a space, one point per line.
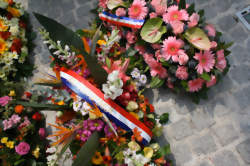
x=226 y=134
x=225 y=158
x=214 y=133
x=244 y=150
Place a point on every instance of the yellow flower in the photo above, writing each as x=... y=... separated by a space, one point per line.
x=36 y=152
x=3 y=46
x=148 y=152
x=12 y=93
x=13 y=11
x=4 y=140
x=134 y=146
x=60 y=102
x=101 y=42
x=97 y=158
x=10 y=144
x=3 y=27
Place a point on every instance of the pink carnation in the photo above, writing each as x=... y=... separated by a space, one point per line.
x=155 y=67
x=194 y=19
x=131 y=37
x=174 y=14
x=213 y=44
x=183 y=57
x=211 y=30
x=5 y=100
x=103 y=3
x=178 y=27
x=120 y=12
x=181 y=73
x=23 y=148
x=221 y=60
x=206 y=61
x=195 y=85
x=171 y=48
x=160 y=6
x=212 y=82
x=138 y=10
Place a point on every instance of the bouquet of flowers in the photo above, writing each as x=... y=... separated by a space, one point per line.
x=15 y=39
x=22 y=132
x=168 y=43
x=115 y=126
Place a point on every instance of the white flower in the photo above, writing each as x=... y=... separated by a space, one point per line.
x=112 y=77
x=14 y=30
x=135 y=73
x=85 y=108
x=143 y=79
x=51 y=150
x=129 y=161
x=3 y=5
x=77 y=106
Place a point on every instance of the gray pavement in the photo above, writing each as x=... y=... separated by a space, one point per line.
x=217 y=131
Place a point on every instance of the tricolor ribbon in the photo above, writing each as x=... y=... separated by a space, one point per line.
x=121 y=21
x=114 y=112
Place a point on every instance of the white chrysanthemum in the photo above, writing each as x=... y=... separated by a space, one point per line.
x=85 y=108
x=14 y=30
x=24 y=50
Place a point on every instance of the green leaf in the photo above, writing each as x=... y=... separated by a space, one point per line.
x=165 y=150
x=115 y=3
x=206 y=77
x=182 y=4
x=66 y=36
x=198 y=38
x=87 y=151
x=228 y=45
x=156 y=82
x=19 y=162
x=108 y=62
x=184 y=84
x=164 y=118
x=153 y=30
x=191 y=9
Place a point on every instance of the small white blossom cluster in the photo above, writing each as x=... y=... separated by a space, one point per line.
x=132 y=159
x=62 y=53
x=141 y=79
x=52 y=159
x=113 y=88
x=80 y=106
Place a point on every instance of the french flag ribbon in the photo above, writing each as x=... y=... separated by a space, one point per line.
x=121 y=21
x=114 y=112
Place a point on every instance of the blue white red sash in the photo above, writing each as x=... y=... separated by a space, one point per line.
x=121 y=21
x=114 y=112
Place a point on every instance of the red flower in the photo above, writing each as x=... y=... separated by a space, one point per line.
x=152 y=108
x=22 y=24
x=16 y=46
x=37 y=116
x=9 y=16
x=10 y=2
x=26 y=95
x=5 y=35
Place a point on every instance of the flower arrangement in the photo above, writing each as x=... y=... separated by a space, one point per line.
x=168 y=41
x=96 y=121
x=15 y=38
x=22 y=132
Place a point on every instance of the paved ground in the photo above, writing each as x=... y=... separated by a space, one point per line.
x=213 y=133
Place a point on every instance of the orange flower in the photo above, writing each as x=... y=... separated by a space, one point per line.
x=160 y=161
x=3 y=46
x=137 y=135
x=97 y=158
x=19 y=109
x=13 y=11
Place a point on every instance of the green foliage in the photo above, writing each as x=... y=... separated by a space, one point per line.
x=164 y=118
x=205 y=77
x=156 y=82
x=182 y=4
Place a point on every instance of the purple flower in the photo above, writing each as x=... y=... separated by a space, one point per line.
x=15 y=118
x=23 y=148
x=86 y=73
x=96 y=125
x=42 y=133
x=108 y=131
x=84 y=134
x=5 y=100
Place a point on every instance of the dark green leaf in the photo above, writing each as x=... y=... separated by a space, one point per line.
x=191 y=9
x=206 y=77
x=156 y=82
x=87 y=151
x=67 y=36
x=182 y=4
x=165 y=150
x=108 y=62
x=164 y=118
x=19 y=162
x=228 y=45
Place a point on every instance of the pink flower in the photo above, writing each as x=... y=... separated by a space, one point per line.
x=23 y=148
x=211 y=30
x=108 y=131
x=25 y=123
x=84 y=134
x=15 y=118
x=181 y=73
x=177 y=26
x=171 y=48
x=212 y=82
x=5 y=100
x=195 y=85
x=103 y=3
x=138 y=10
x=141 y=49
x=213 y=44
x=7 y=124
x=206 y=61
x=221 y=60
x=42 y=133
x=156 y=46
x=131 y=37
x=96 y=125
x=155 y=67
x=194 y=19
x=160 y=6
x=120 y=12
x=152 y=15
x=174 y=14
x=183 y=57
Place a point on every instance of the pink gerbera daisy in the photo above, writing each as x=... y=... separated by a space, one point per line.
x=174 y=14
x=195 y=85
x=160 y=6
x=206 y=61
x=138 y=10
x=171 y=48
